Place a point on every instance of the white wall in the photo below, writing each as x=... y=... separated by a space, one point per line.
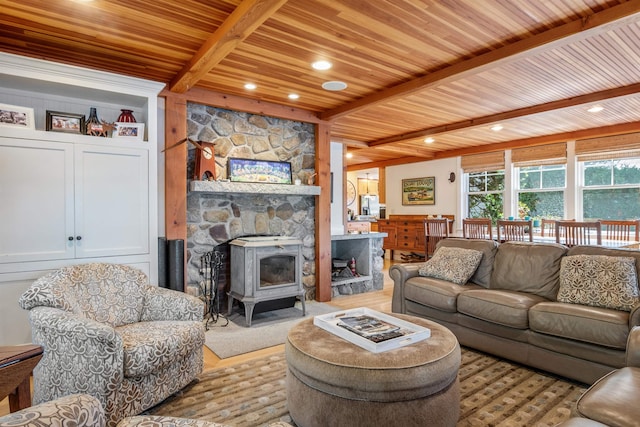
x=447 y=195
x=338 y=213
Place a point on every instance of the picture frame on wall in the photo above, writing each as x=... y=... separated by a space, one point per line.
x=419 y=191
x=129 y=130
x=260 y=171
x=57 y=121
x=15 y=116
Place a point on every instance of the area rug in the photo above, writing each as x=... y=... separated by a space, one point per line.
x=270 y=328
x=493 y=392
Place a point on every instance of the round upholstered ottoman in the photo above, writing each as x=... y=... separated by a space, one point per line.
x=332 y=382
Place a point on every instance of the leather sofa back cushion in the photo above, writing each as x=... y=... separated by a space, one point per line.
x=528 y=267
x=482 y=275
x=599 y=281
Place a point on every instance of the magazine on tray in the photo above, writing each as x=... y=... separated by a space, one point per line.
x=371 y=328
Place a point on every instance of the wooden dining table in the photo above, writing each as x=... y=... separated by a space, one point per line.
x=537 y=237
x=16 y=364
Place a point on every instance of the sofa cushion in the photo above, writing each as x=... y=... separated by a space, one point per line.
x=599 y=250
x=455 y=265
x=528 y=267
x=601 y=326
x=435 y=293
x=482 y=275
x=506 y=308
x=599 y=281
x=150 y=346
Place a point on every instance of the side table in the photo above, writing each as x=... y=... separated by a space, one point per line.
x=16 y=364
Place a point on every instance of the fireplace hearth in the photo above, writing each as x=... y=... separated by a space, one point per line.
x=265 y=268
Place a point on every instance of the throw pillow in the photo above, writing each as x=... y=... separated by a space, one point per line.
x=455 y=265
x=599 y=281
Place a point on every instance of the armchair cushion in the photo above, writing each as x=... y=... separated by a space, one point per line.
x=151 y=346
x=78 y=410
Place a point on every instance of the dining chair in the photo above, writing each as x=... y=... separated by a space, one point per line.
x=435 y=229
x=477 y=228
x=625 y=230
x=517 y=230
x=573 y=233
x=547 y=226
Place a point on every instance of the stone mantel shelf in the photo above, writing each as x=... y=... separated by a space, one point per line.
x=253 y=188
x=355 y=236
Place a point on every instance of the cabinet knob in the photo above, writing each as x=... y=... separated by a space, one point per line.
x=71 y=238
x=78 y=237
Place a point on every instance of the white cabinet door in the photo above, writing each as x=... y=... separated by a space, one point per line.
x=36 y=200
x=111 y=201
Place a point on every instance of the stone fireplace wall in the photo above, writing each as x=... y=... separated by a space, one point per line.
x=215 y=219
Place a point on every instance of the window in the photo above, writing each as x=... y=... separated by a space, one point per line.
x=541 y=191
x=611 y=188
x=485 y=194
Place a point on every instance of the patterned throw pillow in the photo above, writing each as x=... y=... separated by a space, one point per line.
x=455 y=265
x=599 y=281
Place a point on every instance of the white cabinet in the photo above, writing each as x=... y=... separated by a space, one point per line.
x=72 y=200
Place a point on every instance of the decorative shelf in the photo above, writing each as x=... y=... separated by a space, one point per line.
x=253 y=188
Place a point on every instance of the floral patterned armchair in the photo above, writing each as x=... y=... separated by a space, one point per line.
x=107 y=332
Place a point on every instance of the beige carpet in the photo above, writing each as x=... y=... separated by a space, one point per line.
x=493 y=393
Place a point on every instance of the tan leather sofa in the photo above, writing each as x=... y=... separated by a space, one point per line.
x=509 y=308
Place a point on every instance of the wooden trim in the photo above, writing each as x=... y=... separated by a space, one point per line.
x=323 y=212
x=382 y=185
x=175 y=169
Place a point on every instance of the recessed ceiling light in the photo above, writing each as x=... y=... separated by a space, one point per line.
x=334 y=85
x=250 y=86
x=322 y=65
x=429 y=140
x=496 y=128
x=294 y=96
x=595 y=109
x=349 y=155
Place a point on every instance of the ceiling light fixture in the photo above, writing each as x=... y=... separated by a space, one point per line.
x=294 y=96
x=429 y=140
x=595 y=109
x=321 y=65
x=334 y=86
x=250 y=86
x=349 y=155
x=497 y=128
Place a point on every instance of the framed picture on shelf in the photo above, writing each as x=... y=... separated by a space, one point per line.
x=65 y=122
x=16 y=117
x=261 y=171
x=419 y=191
x=129 y=130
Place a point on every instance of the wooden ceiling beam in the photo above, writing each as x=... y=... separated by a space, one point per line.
x=243 y=21
x=513 y=114
x=579 y=28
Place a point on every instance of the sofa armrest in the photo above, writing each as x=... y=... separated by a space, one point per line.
x=400 y=273
x=80 y=410
x=633 y=348
x=167 y=304
x=83 y=347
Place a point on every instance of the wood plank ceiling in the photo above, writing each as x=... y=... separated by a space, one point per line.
x=448 y=69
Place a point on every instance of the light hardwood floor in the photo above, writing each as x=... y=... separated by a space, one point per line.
x=376 y=300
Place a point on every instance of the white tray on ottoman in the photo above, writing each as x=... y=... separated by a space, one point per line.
x=411 y=332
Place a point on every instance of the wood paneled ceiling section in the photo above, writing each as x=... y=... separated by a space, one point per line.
x=414 y=68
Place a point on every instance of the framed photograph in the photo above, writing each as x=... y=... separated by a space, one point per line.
x=65 y=122
x=419 y=191
x=128 y=130
x=264 y=171
x=16 y=117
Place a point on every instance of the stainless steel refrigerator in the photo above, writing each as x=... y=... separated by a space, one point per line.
x=370 y=205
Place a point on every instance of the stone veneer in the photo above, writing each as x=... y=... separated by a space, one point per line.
x=215 y=219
